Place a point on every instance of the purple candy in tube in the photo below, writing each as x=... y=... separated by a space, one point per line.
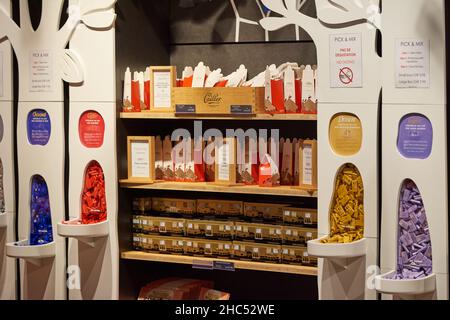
x=414 y=253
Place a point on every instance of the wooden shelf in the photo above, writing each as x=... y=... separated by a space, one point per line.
x=246 y=265
x=210 y=187
x=171 y=116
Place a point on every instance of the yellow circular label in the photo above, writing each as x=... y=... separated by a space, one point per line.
x=346 y=134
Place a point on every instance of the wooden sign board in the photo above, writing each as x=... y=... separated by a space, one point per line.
x=162 y=82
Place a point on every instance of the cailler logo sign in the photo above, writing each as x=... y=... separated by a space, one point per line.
x=212 y=99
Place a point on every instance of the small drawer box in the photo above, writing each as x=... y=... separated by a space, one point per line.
x=208 y=248
x=257 y=252
x=264 y=211
x=220 y=208
x=298 y=236
x=300 y=217
x=298 y=256
x=176 y=206
x=164 y=226
x=258 y=232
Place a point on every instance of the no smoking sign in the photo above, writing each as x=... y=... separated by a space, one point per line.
x=346 y=61
x=346 y=75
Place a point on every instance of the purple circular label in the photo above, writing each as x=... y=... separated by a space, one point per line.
x=1 y=129
x=415 y=138
x=39 y=127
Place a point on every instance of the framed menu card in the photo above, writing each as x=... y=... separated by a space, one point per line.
x=162 y=82
x=141 y=159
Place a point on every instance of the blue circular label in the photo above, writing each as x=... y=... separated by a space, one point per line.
x=39 y=127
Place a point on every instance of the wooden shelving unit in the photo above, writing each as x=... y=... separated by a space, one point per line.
x=210 y=187
x=171 y=116
x=245 y=265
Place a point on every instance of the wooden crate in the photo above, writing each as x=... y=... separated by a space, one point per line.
x=240 y=101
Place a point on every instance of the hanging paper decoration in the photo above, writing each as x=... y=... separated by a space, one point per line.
x=414 y=242
x=347 y=210
x=41 y=231
x=93 y=203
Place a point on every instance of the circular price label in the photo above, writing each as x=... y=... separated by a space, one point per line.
x=415 y=137
x=91 y=129
x=346 y=134
x=39 y=127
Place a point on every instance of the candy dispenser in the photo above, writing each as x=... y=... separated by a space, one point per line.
x=348 y=88
x=8 y=276
x=92 y=225
x=414 y=242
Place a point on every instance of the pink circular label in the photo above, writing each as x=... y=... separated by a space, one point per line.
x=91 y=129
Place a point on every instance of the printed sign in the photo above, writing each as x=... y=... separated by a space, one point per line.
x=140 y=155
x=346 y=134
x=41 y=71
x=412 y=63
x=224 y=162
x=91 y=129
x=346 y=61
x=39 y=127
x=1 y=73
x=415 y=138
x=162 y=89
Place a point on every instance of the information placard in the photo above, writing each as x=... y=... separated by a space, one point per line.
x=346 y=69
x=163 y=80
x=91 y=129
x=140 y=165
x=415 y=137
x=41 y=71
x=412 y=63
x=346 y=134
x=141 y=159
